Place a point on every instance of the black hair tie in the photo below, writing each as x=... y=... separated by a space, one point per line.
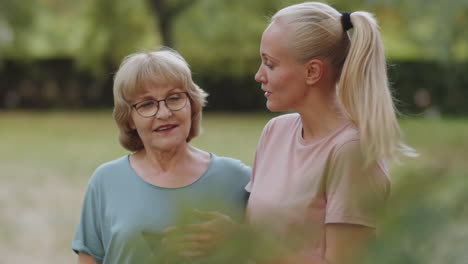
x=346 y=21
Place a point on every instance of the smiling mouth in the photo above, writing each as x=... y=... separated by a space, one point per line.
x=165 y=128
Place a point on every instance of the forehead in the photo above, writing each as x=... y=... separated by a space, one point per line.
x=152 y=89
x=274 y=41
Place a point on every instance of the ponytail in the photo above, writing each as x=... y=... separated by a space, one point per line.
x=319 y=31
x=364 y=93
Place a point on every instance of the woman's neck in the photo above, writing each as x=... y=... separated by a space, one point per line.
x=176 y=168
x=320 y=115
x=164 y=161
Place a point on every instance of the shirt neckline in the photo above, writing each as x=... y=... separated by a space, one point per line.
x=135 y=174
x=303 y=141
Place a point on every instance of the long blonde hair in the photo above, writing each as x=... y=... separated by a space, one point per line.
x=363 y=90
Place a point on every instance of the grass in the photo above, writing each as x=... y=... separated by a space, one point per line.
x=47 y=158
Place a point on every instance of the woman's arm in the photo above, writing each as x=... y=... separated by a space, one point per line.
x=84 y=258
x=346 y=243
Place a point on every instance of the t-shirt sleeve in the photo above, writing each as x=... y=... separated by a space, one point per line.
x=88 y=235
x=248 y=187
x=246 y=173
x=355 y=195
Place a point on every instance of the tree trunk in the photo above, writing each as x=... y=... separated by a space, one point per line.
x=165 y=26
x=165 y=14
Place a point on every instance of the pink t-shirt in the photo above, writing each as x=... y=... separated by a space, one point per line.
x=298 y=185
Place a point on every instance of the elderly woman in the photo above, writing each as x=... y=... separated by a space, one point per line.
x=132 y=199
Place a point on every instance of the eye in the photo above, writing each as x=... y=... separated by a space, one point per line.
x=174 y=97
x=145 y=104
x=268 y=64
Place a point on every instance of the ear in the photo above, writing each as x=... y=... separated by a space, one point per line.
x=315 y=69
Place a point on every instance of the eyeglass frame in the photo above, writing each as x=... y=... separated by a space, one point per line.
x=163 y=100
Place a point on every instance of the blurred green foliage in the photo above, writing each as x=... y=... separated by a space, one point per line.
x=437 y=27
x=114 y=29
x=220 y=40
x=217 y=36
x=16 y=22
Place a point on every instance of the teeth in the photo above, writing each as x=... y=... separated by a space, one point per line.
x=164 y=128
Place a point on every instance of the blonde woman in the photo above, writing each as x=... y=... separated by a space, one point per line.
x=320 y=177
x=321 y=172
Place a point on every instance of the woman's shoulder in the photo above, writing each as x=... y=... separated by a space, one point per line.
x=113 y=164
x=284 y=119
x=230 y=164
x=347 y=146
x=346 y=136
x=342 y=142
x=112 y=167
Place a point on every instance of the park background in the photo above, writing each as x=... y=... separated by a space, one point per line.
x=58 y=57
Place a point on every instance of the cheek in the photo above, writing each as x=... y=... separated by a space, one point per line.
x=187 y=115
x=280 y=80
x=131 y=123
x=292 y=79
x=288 y=75
x=282 y=75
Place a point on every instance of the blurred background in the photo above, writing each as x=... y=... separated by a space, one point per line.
x=58 y=57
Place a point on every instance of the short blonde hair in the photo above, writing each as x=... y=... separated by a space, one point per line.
x=165 y=66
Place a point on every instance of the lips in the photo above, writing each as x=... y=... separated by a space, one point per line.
x=165 y=128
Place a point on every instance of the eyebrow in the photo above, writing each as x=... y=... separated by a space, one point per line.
x=172 y=91
x=265 y=55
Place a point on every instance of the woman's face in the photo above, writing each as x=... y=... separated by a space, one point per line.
x=167 y=130
x=283 y=79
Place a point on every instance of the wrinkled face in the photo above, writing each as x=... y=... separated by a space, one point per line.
x=283 y=79
x=167 y=130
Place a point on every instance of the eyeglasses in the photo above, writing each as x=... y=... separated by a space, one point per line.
x=174 y=102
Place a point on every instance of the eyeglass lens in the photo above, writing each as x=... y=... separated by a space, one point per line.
x=174 y=102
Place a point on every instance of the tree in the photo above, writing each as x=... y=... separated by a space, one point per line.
x=165 y=13
x=114 y=29
x=16 y=17
x=440 y=34
x=439 y=30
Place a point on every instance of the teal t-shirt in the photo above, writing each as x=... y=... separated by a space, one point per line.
x=120 y=208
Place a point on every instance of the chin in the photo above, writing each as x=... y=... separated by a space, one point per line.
x=168 y=145
x=274 y=107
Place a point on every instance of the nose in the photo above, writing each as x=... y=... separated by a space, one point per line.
x=163 y=111
x=259 y=76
